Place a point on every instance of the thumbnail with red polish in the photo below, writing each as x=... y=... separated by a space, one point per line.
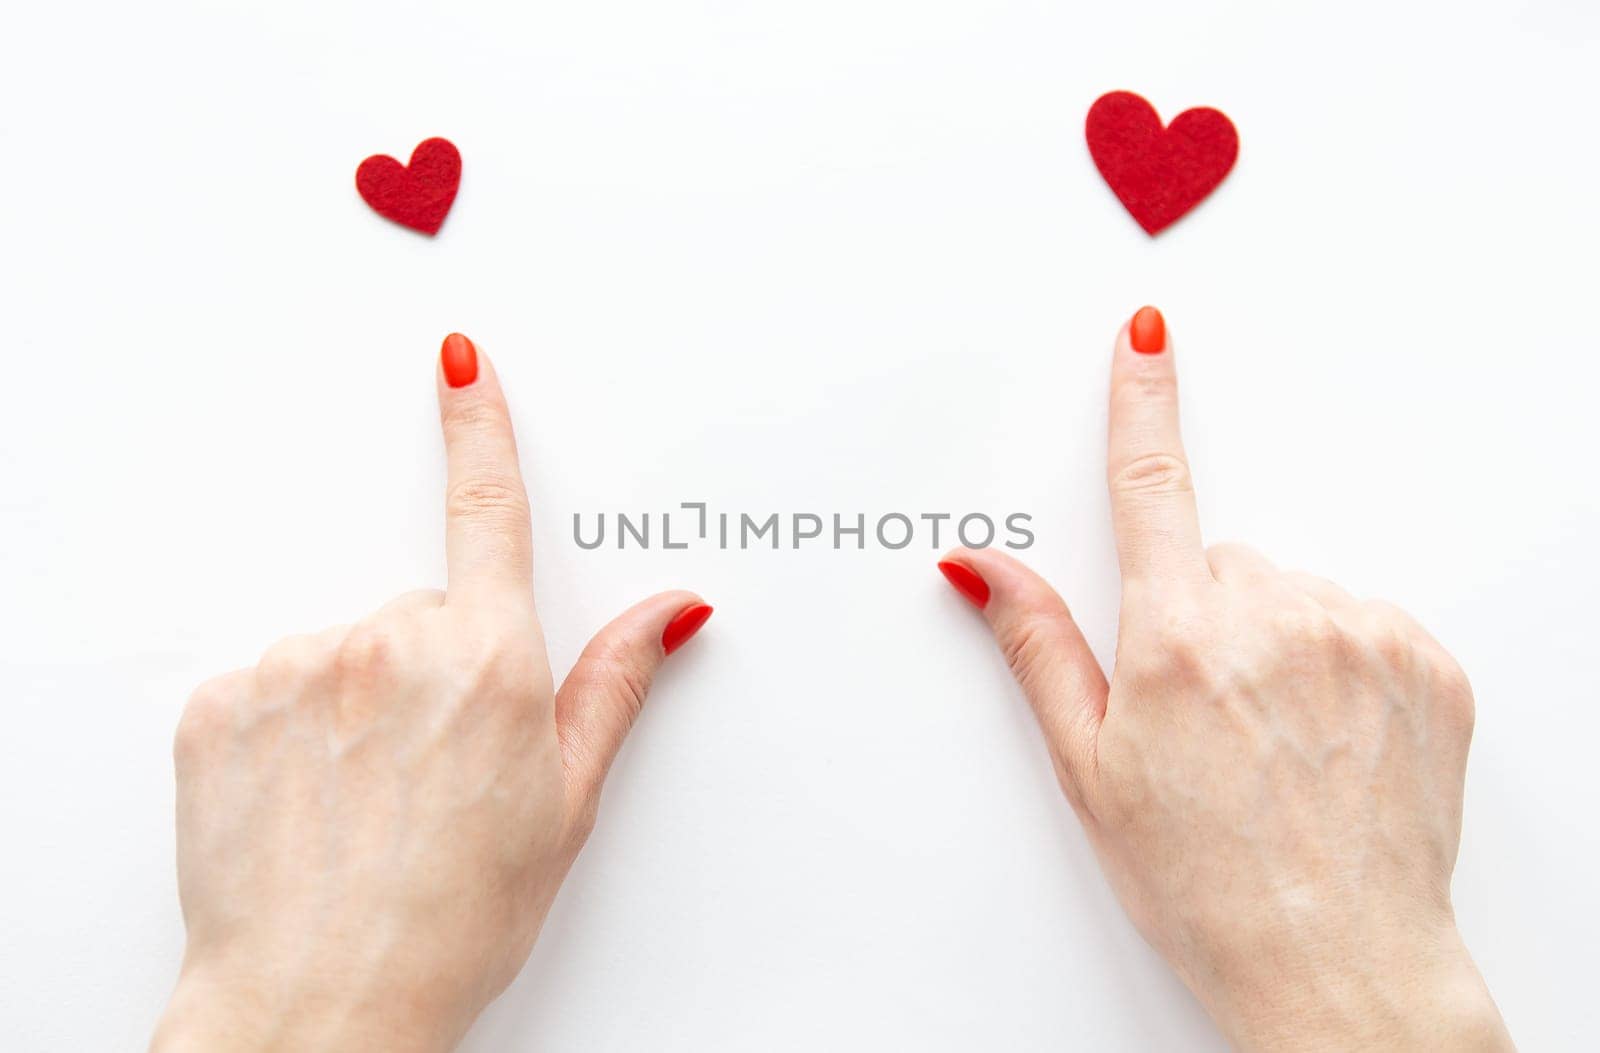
x=966 y=582
x=684 y=624
x=1148 y=331
x=459 y=359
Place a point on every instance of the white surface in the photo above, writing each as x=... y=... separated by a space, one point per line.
x=839 y=256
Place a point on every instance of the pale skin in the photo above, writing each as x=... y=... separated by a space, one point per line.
x=374 y=821
x=1272 y=777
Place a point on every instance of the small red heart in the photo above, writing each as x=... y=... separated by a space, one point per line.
x=417 y=195
x=1159 y=173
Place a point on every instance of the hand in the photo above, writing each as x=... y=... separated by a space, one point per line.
x=1272 y=780
x=373 y=822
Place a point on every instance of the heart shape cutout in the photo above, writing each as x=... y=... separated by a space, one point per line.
x=1159 y=173
x=416 y=195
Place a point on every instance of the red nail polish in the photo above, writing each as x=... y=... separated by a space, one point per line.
x=966 y=582
x=685 y=624
x=1148 y=331
x=459 y=359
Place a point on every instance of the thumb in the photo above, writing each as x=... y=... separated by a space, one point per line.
x=1047 y=654
x=602 y=696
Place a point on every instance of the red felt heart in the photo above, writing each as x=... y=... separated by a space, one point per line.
x=417 y=195
x=1159 y=173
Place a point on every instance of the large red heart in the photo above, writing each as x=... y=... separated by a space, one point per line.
x=1159 y=173
x=417 y=195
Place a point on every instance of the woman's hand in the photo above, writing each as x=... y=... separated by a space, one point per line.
x=1273 y=777
x=373 y=822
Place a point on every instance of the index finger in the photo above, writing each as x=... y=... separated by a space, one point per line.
x=1152 y=493
x=488 y=536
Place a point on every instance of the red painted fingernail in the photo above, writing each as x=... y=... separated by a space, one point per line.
x=686 y=623
x=459 y=359
x=967 y=582
x=1148 y=331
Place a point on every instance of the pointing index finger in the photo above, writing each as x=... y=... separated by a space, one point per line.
x=1152 y=494
x=488 y=536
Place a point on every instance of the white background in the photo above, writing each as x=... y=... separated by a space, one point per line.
x=834 y=256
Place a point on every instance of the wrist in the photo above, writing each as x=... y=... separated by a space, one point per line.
x=214 y=1012
x=1428 y=995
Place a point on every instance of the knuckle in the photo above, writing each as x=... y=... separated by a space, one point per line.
x=1155 y=387
x=473 y=415
x=1154 y=640
x=365 y=652
x=1169 y=658
x=489 y=496
x=206 y=717
x=283 y=664
x=1454 y=692
x=1027 y=647
x=1179 y=642
x=1161 y=473
x=1393 y=644
x=495 y=659
x=619 y=673
x=1390 y=635
x=1308 y=628
x=1185 y=659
